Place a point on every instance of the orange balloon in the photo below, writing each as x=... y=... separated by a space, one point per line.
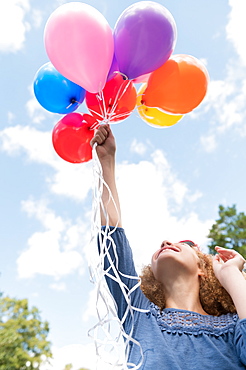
x=153 y=116
x=178 y=86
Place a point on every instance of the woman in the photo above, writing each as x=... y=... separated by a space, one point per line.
x=191 y=310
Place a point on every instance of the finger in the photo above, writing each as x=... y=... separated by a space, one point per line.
x=216 y=258
x=100 y=135
x=226 y=255
x=217 y=247
x=102 y=130
x=97 y=139
x=226 y=252
x=223 y=257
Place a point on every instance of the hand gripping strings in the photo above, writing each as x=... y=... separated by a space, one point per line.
x=108 y=334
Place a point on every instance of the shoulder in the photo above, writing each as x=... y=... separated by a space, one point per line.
x=182 y=321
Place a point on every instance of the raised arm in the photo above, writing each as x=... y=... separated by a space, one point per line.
x=106 y=149
x=228 y=265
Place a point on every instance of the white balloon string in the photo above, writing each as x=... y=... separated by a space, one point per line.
x=94 y=125
x=108 y=113
x=108 y=334
x=97 y=114
x=122 y=74
x=119 y=95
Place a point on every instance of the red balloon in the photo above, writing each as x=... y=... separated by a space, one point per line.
x=115 y=102
x=72 y=135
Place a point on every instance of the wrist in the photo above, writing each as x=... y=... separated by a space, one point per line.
x=107 y=161
x=229 y=275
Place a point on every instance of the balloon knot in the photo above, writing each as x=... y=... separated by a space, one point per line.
x=123 y=75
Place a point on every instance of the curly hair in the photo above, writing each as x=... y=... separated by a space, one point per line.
x=214 y=298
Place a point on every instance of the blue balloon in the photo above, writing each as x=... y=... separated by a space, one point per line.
x=55 y=92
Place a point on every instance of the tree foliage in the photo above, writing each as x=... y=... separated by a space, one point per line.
x=23 y=336
x=70 y=367
x=229 y=231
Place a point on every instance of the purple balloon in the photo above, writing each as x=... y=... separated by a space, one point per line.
x=145 y=36
x=113 y=69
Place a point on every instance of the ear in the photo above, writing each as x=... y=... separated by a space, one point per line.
x=201 y=272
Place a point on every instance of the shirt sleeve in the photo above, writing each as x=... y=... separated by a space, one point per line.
x=121 y=276
x=240 y=340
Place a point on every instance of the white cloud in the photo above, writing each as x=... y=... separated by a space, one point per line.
x=194 y=197
x=59 y=286
x=13 y=26
x=37 y=17
x=138 y=147
x=52 y=251
x=36 y=144
x=226 y=98
x=90 y=310
x=236 y=27
x=11 y=116
x=35 y=111
x=71 y=180
x=208 y=142
x=76 y=354
x=151 y=194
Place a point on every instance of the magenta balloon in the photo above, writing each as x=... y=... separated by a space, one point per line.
x=145 y=36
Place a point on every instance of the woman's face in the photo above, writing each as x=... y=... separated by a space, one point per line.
x=173 y=259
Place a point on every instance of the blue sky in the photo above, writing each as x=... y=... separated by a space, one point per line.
x=171 y=180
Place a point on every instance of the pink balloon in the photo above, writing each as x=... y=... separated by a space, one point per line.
x=79 y=43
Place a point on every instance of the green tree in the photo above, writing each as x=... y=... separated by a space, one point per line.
x=23 y=336
x=229 y=231
x=70 y=366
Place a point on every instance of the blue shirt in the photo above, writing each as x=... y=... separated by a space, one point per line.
x=170 y=339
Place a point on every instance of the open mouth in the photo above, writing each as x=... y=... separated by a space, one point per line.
x=168 y=248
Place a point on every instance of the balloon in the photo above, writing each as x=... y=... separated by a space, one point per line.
x=72 y=135
x=154 y=116
x=113 y=69
x=142 y=79
x=178 y=86
x=115 y=103
x=79 y=43
x=144 y=36
x=55 y=92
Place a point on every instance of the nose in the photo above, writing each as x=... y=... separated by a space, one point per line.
x=166 y=243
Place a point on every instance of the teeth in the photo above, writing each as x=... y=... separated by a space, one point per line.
x=169 y=249
x=163 y=249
